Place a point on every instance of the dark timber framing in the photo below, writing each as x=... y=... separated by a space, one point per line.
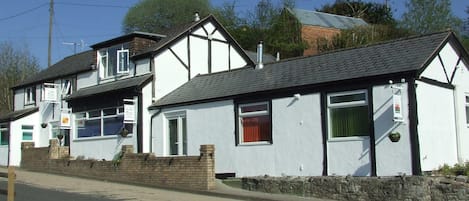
x=371 y=130
x=324 y=132
x=413 y=122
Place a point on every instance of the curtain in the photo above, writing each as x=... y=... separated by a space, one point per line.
x=256 y=128
x=351 y=121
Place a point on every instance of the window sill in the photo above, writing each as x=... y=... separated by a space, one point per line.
x=342 y=139
x=254 y=143
x=107 y=137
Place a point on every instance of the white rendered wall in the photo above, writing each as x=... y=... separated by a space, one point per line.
x=18 y=99
x=297 y=138
x=169 y=74
x=142 y=66
x=87 y=79
x=349 y=157
x=436 y=126
x=16 y=136
x=3 y=155
x=392 y=158
x=146 y=117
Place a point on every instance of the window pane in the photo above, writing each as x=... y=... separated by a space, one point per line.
x=123 y=57
x=256 y=128
x=184 y=137
x=27 y=135
x=4 y=137
x=351 y=121
x=96 y=113
x=467 y=99
x=113 y=125
x=90 y=129
x=254 y=108
x=26 y=127
x=467 y=114
x=111 y=111
x=348 y=98
x=173 y=127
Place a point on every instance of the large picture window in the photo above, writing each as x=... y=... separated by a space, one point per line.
x=4 y=136
x=113 y=60
x=95 y=123
x=348 y=114
x=254 y=123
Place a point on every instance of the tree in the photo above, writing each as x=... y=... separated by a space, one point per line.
x=16 y=65
x=360 y=36
x=425 y=16
x=157 y=16
x=373 y=13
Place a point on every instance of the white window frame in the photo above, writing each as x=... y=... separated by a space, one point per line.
x=241 y=115
x=345 y=105
x=179 y=116
x=66 y=87
x=120 y=69
x=101 y=117
x=103 y=53
x=29 y=95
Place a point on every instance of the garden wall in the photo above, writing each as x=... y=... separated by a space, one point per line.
x=189 y=172
x=415 y=188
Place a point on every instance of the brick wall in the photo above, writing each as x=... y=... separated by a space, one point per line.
x=310 y=34
x=189 y=172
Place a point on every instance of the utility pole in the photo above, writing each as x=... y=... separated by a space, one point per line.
x=51 y=15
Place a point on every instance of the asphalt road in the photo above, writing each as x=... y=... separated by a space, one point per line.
x=31 y=193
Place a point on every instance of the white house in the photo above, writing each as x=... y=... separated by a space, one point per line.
x=104 y=93
x=329 y=114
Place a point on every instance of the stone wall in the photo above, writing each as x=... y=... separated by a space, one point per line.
x=419 y=188
x=190 y=172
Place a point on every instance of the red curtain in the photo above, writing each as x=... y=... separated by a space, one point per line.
x=256 y=129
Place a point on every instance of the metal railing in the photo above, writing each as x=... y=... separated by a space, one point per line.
x=10 y=191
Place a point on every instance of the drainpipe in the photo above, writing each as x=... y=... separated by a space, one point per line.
x=9 y=143
x=456 y=120
x=260 y=55
x=151 y=128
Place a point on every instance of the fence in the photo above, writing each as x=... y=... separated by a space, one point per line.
x=10 y=191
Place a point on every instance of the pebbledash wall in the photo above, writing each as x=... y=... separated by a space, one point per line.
x=189 y=172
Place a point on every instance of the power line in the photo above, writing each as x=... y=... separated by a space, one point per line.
x=91 y=5
x=23 y=12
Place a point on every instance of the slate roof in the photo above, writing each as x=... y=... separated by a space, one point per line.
x=315 y=18
x=398 y=56
x=124 y=84
x=12 y=116
x=74 y=64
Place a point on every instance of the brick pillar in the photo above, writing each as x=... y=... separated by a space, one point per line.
x=127 y=149
x=53 y=149
x=207 y=156
x=27 y=145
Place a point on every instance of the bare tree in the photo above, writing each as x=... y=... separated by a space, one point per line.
x=16 y=65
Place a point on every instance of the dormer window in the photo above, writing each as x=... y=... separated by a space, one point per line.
x=29 y=95
x=114 y=60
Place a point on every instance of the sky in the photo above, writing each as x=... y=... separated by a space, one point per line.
x=77 y=24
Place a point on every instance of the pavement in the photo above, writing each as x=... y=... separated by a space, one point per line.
x=121 y=191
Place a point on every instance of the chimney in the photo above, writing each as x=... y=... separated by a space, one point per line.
x=196 y=17
x=260 y=56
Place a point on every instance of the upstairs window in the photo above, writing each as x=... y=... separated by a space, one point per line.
x=348 y=114
x=254 y=123
x=30 y=95
x=4 y=136
x=114 y=60
x=67 y=87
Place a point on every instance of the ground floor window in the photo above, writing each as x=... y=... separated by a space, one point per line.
x=348 y=114
x=4 y=136
x=177 y=133
x=27 y=131
x=467 y=110
x=104 y=122
x=254 y=122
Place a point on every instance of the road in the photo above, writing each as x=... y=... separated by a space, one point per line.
x=31 y=193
